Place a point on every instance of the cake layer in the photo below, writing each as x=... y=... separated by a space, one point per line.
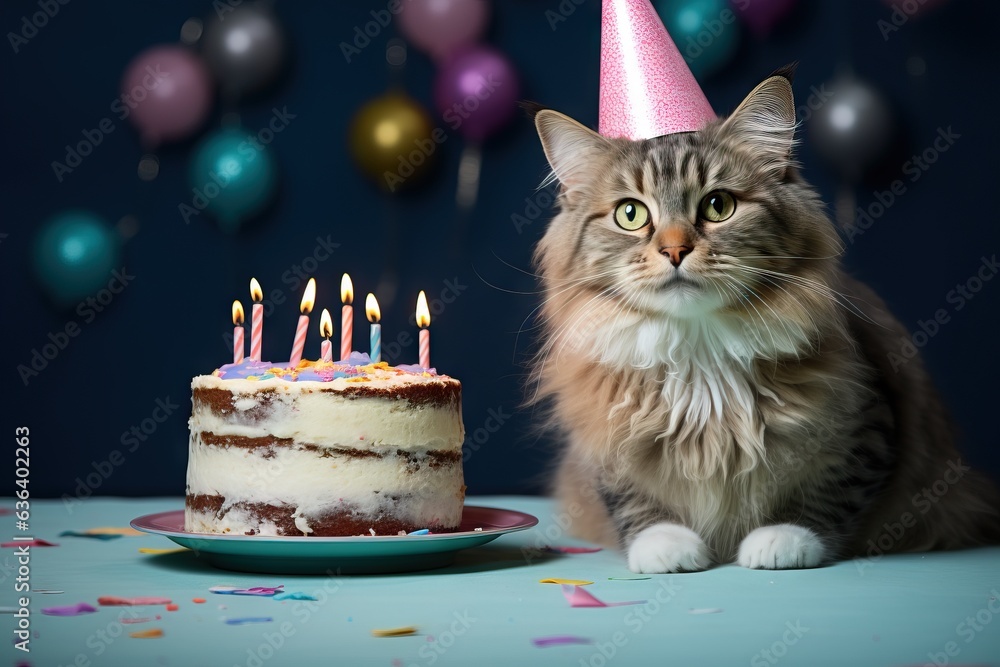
x=311 y=479
x=214 y=514
x=315 y=413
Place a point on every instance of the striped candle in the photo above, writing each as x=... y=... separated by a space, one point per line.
x=308 y=299
x=238 y=344
x=347 y=317
x=374 y=315
x=424 y=321
x=257 y=319
x=326 y=330
x=425 y=348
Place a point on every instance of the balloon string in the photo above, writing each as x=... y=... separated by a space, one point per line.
x=844 y=207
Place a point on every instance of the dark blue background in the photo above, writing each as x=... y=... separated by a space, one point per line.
x=168 y=325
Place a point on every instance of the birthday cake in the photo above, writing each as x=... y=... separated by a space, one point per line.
x=324 y=449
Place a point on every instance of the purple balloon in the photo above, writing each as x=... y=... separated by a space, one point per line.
x=167 y=91
x=476 y=91
x=440 y=27
x=762 y=15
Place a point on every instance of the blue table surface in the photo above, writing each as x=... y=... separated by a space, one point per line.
x=913 y=609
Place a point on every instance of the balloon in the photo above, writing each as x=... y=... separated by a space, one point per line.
x=476 y=91
x=701 y=32
x=246 y=47
x=440 y=27
x=762 y=15
x=391 y=140
x=233 y=176
x=852 y=128
x=74 y=254
x=167 y=91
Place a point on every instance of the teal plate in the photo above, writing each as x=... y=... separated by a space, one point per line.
x=339 y=555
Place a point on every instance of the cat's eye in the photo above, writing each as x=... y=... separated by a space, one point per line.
x=717 y=206
x=631 y=214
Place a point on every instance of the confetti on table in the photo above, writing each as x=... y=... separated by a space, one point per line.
x=46 y=591
x=115 y=601
x=151 y=633
x=628 y=578
x=93 y=536
x=294 y=595
x=422 y=531
x=706 y=610
x=28 y=543
x=404 y=631
x=578 y=597
x=126 y=531
x=172 y=607
x=568 y=582
x=4 y=511
x=128 y=621
x=198 y=600
x=560 y=640
x=77 y=609
x=572 y=550
x=149 y=550
x=247 y=620
x=262 y=591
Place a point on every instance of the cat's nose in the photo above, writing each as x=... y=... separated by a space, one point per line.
x=676 y=253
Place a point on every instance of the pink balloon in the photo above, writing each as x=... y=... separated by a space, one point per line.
x=439 y=27
x=167 y=91
x=476 y=91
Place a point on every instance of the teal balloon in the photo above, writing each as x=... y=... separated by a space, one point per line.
x=233 y=176
x=706 y=32
x=74 y=255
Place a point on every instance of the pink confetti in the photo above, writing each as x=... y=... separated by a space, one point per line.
x=4 y=511
x=77 y=609
x=560 y=640
x=128 y=621
x=578 y=597
x=114 y=601
x=28 y=543
x=263 y=591
x=572 y=550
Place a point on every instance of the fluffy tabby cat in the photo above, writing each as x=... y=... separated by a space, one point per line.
x=721 y=397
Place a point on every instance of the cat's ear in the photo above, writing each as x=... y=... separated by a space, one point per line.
x=766 y=118
x=573 y=150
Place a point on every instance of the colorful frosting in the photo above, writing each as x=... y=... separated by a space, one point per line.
x=356 y=368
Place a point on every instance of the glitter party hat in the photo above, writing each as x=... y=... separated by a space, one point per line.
x=647 y=89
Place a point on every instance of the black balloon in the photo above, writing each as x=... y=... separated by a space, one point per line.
x=246 y=47
x=853 y=127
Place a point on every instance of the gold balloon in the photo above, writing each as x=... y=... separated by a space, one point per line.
x=392 y=140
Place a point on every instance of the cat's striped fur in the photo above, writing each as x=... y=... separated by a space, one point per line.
x=750 y=414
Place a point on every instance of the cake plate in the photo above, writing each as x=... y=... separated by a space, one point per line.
x=339 y=555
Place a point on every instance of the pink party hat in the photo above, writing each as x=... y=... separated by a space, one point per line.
x=647 y=90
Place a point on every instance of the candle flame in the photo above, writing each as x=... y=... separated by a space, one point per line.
x=423 y=312
x=256 y=293
x=309 y=297
x=325 y=324
x=346 y=290
x=237 y=313
x=372 y=309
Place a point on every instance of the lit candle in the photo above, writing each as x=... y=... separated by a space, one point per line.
x=347 y=317
x=424 y=321
x=308 y=299
x=326 y=330
x=237 y=332
x=257 y=319
x=374 y=315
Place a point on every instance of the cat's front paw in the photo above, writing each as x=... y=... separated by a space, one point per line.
x=781 y=547
x=667 y=547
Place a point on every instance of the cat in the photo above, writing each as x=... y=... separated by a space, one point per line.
x=723 y=387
